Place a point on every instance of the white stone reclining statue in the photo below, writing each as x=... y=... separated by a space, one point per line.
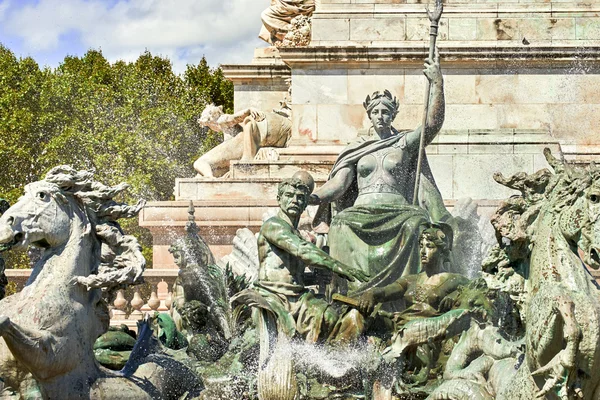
x=246 y=132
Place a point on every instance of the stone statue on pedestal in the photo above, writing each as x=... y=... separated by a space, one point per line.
x=277 y=18
x=246 y=132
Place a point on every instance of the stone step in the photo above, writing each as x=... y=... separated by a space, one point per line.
x=455 y=160
x=279 y=169
x=226 y=190
x=219 y=222
x=318 y=160
x=233 y=212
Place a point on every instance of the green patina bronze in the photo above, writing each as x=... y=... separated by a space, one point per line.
x=375 y=227
x=282 y=301
x=112 y=349
x=381 y=313
x=201 y=280
x=167 y=332
x=529 y=326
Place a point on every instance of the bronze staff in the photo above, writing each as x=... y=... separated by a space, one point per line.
x=434 y=18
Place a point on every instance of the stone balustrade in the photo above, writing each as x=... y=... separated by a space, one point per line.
x=129 y=310
x=131 y=305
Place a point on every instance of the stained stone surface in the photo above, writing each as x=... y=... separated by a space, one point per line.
x=519 y=76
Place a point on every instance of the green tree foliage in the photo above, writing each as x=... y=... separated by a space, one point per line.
x=127 y=122
x=21 y=121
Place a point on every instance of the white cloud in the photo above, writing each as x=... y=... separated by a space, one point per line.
x=183 y=30
x=4 y=5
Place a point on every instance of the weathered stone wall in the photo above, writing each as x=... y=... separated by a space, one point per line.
x=524 y=65
x=262 y=83
x=564 y=101
x=376 y=22
x=519 y=76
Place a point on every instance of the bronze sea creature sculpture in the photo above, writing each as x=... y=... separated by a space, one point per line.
x=48 y=329
x=561 y=219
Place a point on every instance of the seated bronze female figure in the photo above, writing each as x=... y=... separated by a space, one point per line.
x=376 y=227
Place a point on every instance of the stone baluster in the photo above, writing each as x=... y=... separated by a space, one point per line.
x=146 y=308
x=120 y=303
x=137 y=303
x=160 y=300
x=154 y=302
x=169 y=300
x=111 y=308
x=162 y=294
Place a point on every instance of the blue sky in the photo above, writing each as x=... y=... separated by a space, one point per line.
x=225 y=31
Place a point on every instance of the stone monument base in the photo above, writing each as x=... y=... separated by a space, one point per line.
x=463 y=163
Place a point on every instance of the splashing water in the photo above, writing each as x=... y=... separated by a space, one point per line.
x=334 y=362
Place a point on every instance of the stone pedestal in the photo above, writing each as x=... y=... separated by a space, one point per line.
x=261 y=83
x=462 y=162
x=519 y=76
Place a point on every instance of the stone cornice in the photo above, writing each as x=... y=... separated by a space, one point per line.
x=273 y=74
x=465 y=56
x=497 y=10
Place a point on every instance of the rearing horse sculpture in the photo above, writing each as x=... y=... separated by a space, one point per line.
x=561 y=221
x=49 y=328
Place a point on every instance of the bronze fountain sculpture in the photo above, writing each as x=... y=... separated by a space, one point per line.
x=381 y=312
x=49 y=328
